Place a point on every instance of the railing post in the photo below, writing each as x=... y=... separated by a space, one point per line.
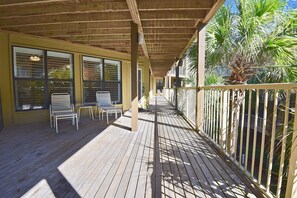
x=177 y=85
x=291 y=190
x=200 y=76
x=230 y=122
x=224 y=115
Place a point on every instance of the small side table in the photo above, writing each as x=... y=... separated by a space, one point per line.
x=89 y=107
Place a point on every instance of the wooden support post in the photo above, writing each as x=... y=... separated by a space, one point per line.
x=134 y=84
x=200 y=76
x=291 y=190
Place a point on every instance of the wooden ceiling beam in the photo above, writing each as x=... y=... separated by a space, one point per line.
x=60 y=8
x=132 y=4
x=62 y=18
x=213 y=10
x=170 y=15
x=174 y=5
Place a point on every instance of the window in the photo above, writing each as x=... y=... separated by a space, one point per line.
x=101 y=74
x=37 y=74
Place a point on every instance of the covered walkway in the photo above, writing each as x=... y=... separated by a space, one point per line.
x=165 y=158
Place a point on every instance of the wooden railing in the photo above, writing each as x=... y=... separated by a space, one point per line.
x=252 y=124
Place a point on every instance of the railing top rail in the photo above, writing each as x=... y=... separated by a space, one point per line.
x=253 y=86
x=280 y=86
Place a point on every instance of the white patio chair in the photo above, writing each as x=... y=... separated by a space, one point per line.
x=61 y=108
x=104 y=105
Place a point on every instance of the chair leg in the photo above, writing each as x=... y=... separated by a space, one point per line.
x=76 y=123
x=56 y=123
x=107 y=116
x=78 y=114
x=91 y=113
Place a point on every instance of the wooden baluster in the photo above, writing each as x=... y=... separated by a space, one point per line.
x=284 y=142
x=248 y=131
x=263 y=136
x=255 y=132
x=275 y=99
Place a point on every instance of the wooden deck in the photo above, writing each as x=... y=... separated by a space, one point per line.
x=165 y=158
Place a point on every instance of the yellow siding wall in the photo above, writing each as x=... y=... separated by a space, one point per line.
x=11 y=117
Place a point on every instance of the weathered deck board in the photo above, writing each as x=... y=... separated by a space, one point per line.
x=165 y=158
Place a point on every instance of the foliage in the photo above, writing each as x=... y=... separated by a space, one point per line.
x=261 y=33
x=211 y=78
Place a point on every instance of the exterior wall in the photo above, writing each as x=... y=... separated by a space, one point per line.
x=7 y=40
x=154 y=84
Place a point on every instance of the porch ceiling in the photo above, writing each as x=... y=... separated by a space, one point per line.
x=168 y=26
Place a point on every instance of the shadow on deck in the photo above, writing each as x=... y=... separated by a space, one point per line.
x=165 y=158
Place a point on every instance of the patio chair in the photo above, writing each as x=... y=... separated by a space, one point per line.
x=61 y=108
x=104 y=104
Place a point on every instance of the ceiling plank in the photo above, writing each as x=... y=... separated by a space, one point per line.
x=169 y=24
x=169 y=15
x=132 y=4
x=174 y=5
x=83 y=32
x=21 y=2
x=166 y=42
x=59 y=8
x=107 y=42
x=70 y=26
x=169 y=31
x=161 y=36
x=110 y=31
x=97 y=38
x=61 y=18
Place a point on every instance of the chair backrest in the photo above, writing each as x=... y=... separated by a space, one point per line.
x=103 y=98
x=60 y=102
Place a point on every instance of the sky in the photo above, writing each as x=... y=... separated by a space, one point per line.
x=292 y=4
